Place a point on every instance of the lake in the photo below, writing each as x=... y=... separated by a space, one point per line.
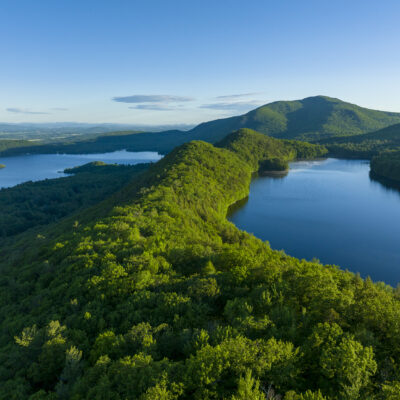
x=330 y=210
x=41 y=166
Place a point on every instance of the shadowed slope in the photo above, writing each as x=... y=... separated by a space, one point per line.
x=309 y=119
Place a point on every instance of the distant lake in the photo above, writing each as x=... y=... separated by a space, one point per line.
x=330 y=210
x=41 y=166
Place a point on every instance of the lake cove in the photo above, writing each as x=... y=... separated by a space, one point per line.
x=331 y=210
x=36 y=167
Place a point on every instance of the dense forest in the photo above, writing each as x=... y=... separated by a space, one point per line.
x=6 y=144
x=32 y=204
x=152 y=294
x=367 y=145
x=387 y=165
x=381 y=147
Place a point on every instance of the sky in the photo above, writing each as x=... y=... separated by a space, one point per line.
x=189 y=61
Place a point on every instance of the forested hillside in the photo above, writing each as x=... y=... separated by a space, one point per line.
x=367 y=145
x=162 y=142
x=381 y=147
x=260 y=150
x=32 y=204
x=309 y=119
x=153 y=294
x=6 y=144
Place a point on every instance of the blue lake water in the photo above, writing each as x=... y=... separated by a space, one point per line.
x=42 y=166
x=330 y=210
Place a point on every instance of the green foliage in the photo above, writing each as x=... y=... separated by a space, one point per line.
x=344 y=366
x=153 y=294
x=382 y=147
x=248 y=389
x=308 y=395
x=274 y=164
x=391 y=391
x=38 y=203
x=6 y=144
x=367 y=145
x=387 y=165
x=267 y=153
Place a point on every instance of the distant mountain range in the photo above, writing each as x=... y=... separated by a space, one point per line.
x=313 y=119
x=68 y=126
x=57 y=130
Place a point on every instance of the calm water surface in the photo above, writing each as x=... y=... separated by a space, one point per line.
x=330 y=210
x=41 y=166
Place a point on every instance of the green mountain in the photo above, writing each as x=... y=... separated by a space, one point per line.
x=152 y=294
x=309 y=119
x=367 y=145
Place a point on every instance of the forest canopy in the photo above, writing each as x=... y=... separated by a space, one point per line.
x=33 y=204
x=153 y=294
x=387 y=165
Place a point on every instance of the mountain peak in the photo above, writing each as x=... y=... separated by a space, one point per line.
x=311 y=118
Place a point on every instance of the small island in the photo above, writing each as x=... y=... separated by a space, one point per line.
x=2 y=166
x=96 y=167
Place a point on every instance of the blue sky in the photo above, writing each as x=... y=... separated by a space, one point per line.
x=187 y=61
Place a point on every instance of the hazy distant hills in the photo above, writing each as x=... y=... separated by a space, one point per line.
x=57 y=131
x=312 y=118
x=85 y=127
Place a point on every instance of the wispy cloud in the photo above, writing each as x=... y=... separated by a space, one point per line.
x=232 y=106
x=59 y=109
x=25 y=111
x=146 y=98
x=154 y=107
x=236 y=96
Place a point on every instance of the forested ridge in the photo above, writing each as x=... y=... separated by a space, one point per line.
x=381 y=147
x=6 y=144
x=32 y=204
x=367 y=145
x=153 y=294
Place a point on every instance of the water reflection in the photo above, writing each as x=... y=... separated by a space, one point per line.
x=389 y=185
x=332 y=210
x=36 y=167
